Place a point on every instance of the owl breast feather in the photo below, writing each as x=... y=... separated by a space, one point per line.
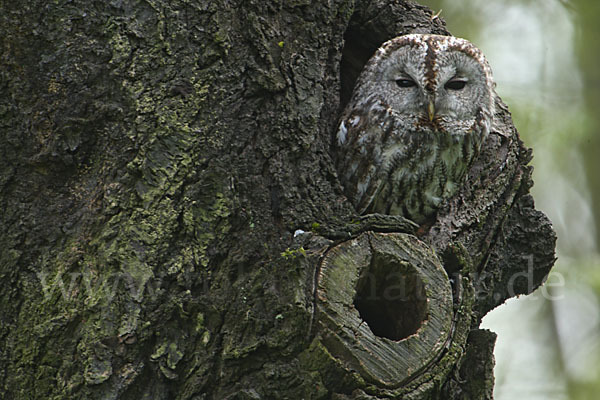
x=404 y=166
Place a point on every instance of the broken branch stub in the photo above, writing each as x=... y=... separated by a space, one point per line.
x=385 y=307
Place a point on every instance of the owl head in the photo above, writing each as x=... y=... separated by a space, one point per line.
x=429 y=77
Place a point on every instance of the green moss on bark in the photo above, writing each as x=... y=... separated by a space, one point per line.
x=155 y=162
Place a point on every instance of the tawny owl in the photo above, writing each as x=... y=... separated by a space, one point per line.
x=419 y=113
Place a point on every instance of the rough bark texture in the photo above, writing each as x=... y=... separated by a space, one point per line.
x=157 y=158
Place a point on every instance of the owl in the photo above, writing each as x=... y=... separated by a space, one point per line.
x=417 y=118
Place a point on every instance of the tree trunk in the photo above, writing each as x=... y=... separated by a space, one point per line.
x=173 y=227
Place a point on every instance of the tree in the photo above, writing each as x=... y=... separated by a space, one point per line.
x=173 y=225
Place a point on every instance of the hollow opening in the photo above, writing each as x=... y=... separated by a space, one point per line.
x=358 y=48
x=390 y=298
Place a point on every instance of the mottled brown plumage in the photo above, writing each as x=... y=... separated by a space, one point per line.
x=418 y=116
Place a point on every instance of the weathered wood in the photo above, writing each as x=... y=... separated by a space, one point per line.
x=384 y=307
x=158 y=158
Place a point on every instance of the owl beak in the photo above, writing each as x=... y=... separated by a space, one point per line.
x=431 y=110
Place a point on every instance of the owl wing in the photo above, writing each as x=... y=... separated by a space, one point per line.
x=360 y=138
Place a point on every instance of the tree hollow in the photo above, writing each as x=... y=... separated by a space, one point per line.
x=384 y=300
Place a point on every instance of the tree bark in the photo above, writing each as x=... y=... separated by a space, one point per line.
x=173 y=226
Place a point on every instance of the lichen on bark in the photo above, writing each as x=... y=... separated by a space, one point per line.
x=157 y=160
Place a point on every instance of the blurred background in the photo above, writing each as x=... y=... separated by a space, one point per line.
x=545 y=55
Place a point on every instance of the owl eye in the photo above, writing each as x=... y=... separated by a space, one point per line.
x=405 y=83
x=456 y=85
